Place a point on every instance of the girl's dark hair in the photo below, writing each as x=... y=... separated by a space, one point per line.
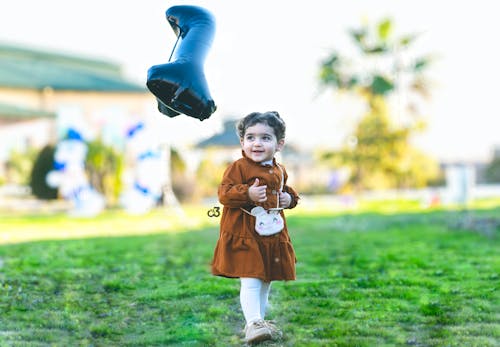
x=270 y=118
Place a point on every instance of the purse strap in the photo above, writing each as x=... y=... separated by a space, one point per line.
x=281 y=186
x=277 y=193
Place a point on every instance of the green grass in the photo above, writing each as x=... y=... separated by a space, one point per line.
x=376 y=277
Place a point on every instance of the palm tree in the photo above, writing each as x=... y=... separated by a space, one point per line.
x=378 y=152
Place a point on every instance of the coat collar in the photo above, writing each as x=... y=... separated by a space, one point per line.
x=255 y=163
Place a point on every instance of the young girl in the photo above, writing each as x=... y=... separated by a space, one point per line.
x=256 y=179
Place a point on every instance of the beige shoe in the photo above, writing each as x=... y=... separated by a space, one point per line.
x=276 y=332
x=257 y=331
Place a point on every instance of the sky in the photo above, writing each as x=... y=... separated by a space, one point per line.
x=266 y=56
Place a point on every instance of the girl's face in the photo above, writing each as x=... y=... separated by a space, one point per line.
x=260 y=144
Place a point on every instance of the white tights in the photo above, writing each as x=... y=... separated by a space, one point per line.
x=254 y=294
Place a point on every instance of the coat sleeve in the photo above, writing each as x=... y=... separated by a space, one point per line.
x=291 y=191
x=232 y=191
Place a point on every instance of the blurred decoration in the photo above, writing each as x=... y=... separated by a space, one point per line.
x=180 y=86
x=70 y=178
x=145 y=189
x=378 y=152
x=43 y=164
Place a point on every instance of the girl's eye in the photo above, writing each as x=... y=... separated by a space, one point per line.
x=266 y=138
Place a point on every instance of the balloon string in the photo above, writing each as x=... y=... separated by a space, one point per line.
x=176 y=41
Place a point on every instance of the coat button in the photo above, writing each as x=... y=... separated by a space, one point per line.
x=274 y=192
x=271 y=171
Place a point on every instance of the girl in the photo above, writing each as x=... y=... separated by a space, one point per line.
x=256 y=179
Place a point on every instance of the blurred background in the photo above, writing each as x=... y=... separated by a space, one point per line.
x=381 y=99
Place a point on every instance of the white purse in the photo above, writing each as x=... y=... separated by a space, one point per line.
x=268 y=222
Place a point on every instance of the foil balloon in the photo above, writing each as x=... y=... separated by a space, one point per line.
x=180 y=85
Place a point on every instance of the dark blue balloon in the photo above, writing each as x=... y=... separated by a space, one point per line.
x=180 y=86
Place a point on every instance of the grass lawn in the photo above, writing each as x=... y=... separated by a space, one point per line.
x=379 y=276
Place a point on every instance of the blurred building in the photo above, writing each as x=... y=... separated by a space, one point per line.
x=42 y=92
x=223 y=147
x=302 y=169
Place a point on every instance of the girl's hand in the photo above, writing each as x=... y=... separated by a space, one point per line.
x=257 y=193
x=285 y=199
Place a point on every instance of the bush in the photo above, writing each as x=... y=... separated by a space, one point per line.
x=493 y=171
x=183 y=186
x=104 y=167
x=209 y=175
x=19 y=165
x=44 y=163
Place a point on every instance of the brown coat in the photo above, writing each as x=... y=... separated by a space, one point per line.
x=240 y=251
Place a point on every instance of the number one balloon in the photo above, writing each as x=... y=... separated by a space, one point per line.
x=180 y=85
